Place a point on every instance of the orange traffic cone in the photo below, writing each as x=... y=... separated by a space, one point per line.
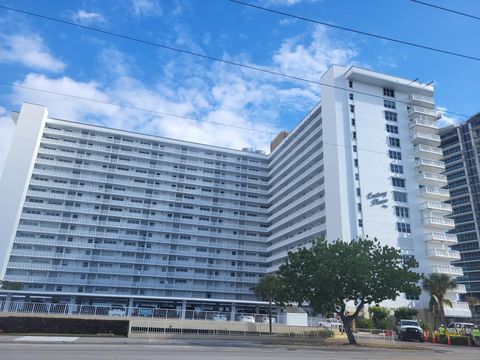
x=433 y=339
x=449 y=341
x=425 y=336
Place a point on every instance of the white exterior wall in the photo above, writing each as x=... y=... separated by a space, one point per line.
x=16 y=176
x=161 y=242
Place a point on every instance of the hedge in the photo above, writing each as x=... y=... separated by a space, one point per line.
x=42 y=325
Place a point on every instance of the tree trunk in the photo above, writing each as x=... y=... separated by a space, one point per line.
x=270 y=315
x=347 y=324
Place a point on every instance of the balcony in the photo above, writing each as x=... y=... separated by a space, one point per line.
x=448 y=270
x=429 y=178
x=459 y=289
x=420 y=110
x=425 y=151
x=444 y=254
x=435 y=193
x=438 y=222
x=421 y=100
x=441 y=237
x=420 y=137
x=458 y=309
x=422 y=124
x=436 y=206
x=430 y=165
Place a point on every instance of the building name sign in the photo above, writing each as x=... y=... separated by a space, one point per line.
x=379 y=198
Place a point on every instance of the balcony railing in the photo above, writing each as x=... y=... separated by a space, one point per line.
x=434 y=192
x=423 y=111
x=421 y=99
x=444 y=254
x=438 y=222
x=431 y=165
x=436 y=206
x=448 y=270
x=428 y=151
x=421 y=137
x=458 y=309
x=441 y=237
x=429 y=178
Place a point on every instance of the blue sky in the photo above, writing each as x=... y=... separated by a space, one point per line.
x=55 y=57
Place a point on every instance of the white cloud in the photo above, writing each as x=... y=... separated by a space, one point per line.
x=85 y=17
x=286 y=2
x=7 y=128
x=146 y=8
x=447 y=119
x=30 y=51
x=216 y=93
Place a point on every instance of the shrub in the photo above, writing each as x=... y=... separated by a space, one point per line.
x=39 y=325
x=405 y=313
x=460 y=340
x=386 y=324
x=426 y=327
x=363 y=323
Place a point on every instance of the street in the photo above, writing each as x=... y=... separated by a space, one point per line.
x=211 y=349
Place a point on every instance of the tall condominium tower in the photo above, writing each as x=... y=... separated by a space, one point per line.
x=102 y=215
x=461 y=146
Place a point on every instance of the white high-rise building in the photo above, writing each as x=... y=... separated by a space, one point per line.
x=110 y=215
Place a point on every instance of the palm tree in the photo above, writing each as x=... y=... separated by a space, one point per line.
x=269 y=289
x=437 y=286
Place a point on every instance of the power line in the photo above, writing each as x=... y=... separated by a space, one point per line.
x=212 y=58
x=128 y=107
x=382 y=37
x=445 y=9
x=169 y=115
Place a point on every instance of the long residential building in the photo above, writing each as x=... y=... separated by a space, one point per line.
x=102 y=215
x=461 y=148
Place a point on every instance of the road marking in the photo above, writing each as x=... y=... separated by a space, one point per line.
x=47 y=338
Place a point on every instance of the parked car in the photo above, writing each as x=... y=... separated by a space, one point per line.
x=117 y=312
x=219 y=317
x=331 y=323
x=460 y=328
x=409 y=329
x=265 y=320
x=247 y=319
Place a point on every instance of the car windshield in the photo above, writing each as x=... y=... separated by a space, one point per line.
x=409 y=323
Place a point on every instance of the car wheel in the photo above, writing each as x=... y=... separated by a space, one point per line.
x=400 y=337
x=421 y=339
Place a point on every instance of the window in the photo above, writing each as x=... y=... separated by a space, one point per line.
x=357 y=177
x=353 y=122
x=397 y=182
x=355 y=161
x=401 y=211
x=392 y=129
x=397 y=169
x=359 y=207
x=352 y=108
x=394 y=141
x=395 y=155
x=354 y=135
x=360 y=223
x=389 y=104
x=354 y=148
x=388 y=92
x=350 y=96
x=390 y=116
x=358 y=191
x=400 y=196
x=403 y=227
x=350 y=84
x=412 y=297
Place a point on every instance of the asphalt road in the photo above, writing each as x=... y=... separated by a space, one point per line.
x=10 y=349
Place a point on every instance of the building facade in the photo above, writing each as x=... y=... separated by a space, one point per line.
x=103 y=213
x=461 y=145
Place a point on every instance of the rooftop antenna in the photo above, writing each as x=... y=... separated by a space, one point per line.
x=430 y=83
x=415 y=80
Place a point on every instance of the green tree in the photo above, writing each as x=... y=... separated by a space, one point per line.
x=269 y=288
x=379 y=314
x=405 y=313
x=330 y=275
x=9 y=285
x=437 y=286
